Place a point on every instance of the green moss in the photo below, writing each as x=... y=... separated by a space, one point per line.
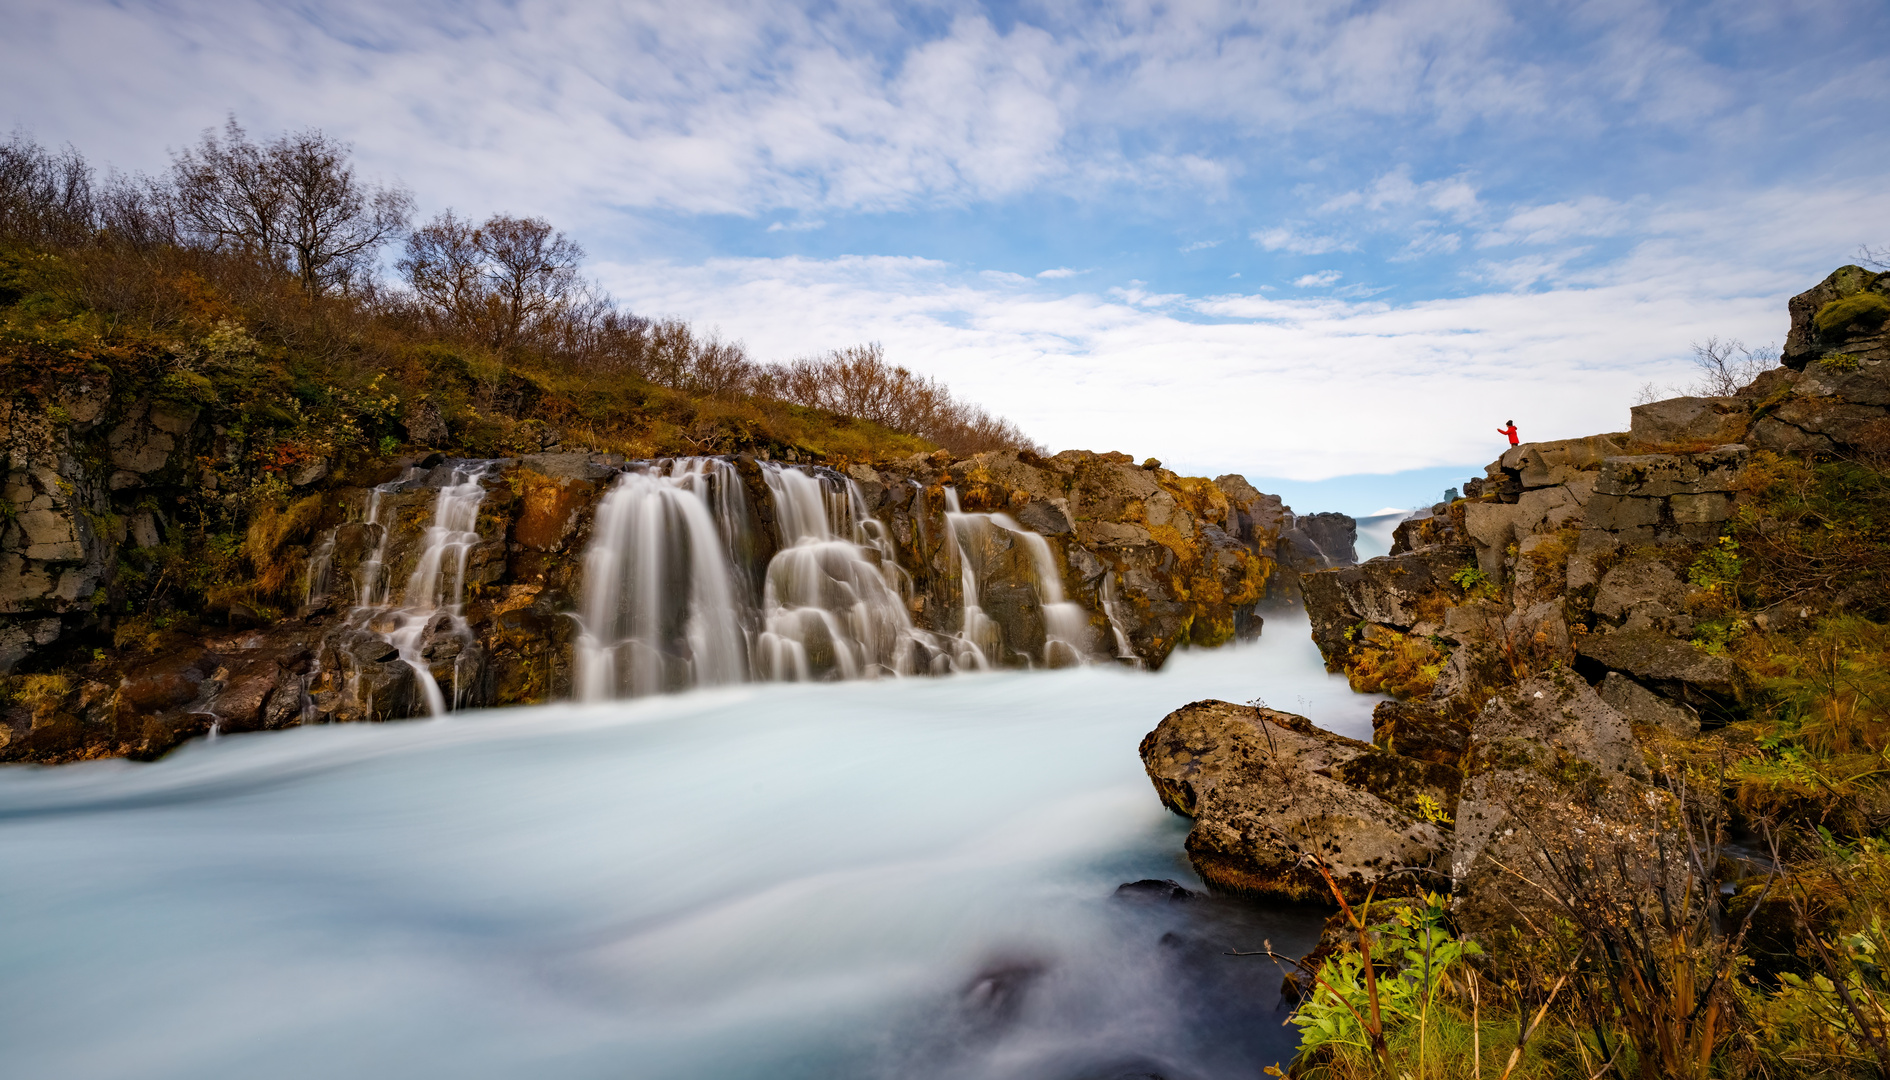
x=1868 y=308
x=187 y=388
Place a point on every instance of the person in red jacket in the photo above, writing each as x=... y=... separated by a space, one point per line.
x=1511 y=432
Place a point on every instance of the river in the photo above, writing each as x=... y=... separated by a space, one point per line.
x=894 y=878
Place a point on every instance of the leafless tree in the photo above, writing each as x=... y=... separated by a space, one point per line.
x=1877 y=257
x=294 y=200
x=859 y=382
x=446 y=267
x=532 y=270
x=1726 y=366
x=502 y=281
x=44 y=196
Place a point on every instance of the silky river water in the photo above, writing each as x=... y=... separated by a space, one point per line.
x=897 y=878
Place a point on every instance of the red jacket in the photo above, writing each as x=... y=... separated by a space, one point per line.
x=1511 y=432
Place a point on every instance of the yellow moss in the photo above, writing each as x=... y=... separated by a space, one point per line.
x=41 y=693
x=1404 y=667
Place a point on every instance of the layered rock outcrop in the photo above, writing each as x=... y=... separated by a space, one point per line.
x=1540 y=636
x=303 y=625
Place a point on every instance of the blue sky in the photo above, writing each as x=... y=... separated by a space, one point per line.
x=1293 y=240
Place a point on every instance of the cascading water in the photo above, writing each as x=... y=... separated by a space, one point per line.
x=428 y=627
x=660 y=609
x=884 y=881
x=833 y=604
x=430 y=624
x=1106 y=594
x=669 y=604
x=1066 y=631
x=370 y=579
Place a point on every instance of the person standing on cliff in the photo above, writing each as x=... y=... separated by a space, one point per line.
x=1511 y=432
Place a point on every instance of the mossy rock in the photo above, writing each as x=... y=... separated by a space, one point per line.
x=187 y=388
x=1866 y=308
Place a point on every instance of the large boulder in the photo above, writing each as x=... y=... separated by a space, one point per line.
x=1269 y=792
x=1842 y=315
x=1549 y=764
x=1402 y=592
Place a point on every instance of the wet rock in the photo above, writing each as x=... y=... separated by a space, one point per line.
x=171 y=681
x=551 y=508
x=239 y=705
x=1154 y=890
x=1265 y=788
x=994 y=996
x=19 y=640
x=1047 y=518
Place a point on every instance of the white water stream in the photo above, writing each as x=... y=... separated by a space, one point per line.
x=891 y=878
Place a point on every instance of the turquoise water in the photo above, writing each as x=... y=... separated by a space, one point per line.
x=909 y=878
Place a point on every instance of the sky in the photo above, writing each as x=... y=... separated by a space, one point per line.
x=1330 y=246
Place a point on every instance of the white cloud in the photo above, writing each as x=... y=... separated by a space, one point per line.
x=1319 y=280
x=1198 y=245
x=1183 y=377
x=740 y=107
x=797 y=226
x=1283 y=238
x=1060 y=272
x=1590 y=215
x=1395 y=190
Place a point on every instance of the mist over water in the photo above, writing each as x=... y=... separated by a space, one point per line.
x=898 y=878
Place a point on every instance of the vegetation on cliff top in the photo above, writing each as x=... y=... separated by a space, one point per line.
x=246 y=281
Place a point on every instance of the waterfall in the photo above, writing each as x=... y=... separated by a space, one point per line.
x=430 y=624
x=670 y=602
x=428 y=627
x=660 y=610
x=1106 y=594
x=370 y=586
x=833 y=601
x=976 y=538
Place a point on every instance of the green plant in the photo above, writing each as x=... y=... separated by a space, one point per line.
x=1839 y=362
x=1718 y=566
x=1474 y=582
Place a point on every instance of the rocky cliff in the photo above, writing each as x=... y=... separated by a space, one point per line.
x=356 y=586
x=1552 y=640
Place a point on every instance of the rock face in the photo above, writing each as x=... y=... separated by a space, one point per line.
x=1543 y=638
x=1297 y=543
x=1180 y=559
x=1843 y=314
x=95 y=521
x=1266 y=788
